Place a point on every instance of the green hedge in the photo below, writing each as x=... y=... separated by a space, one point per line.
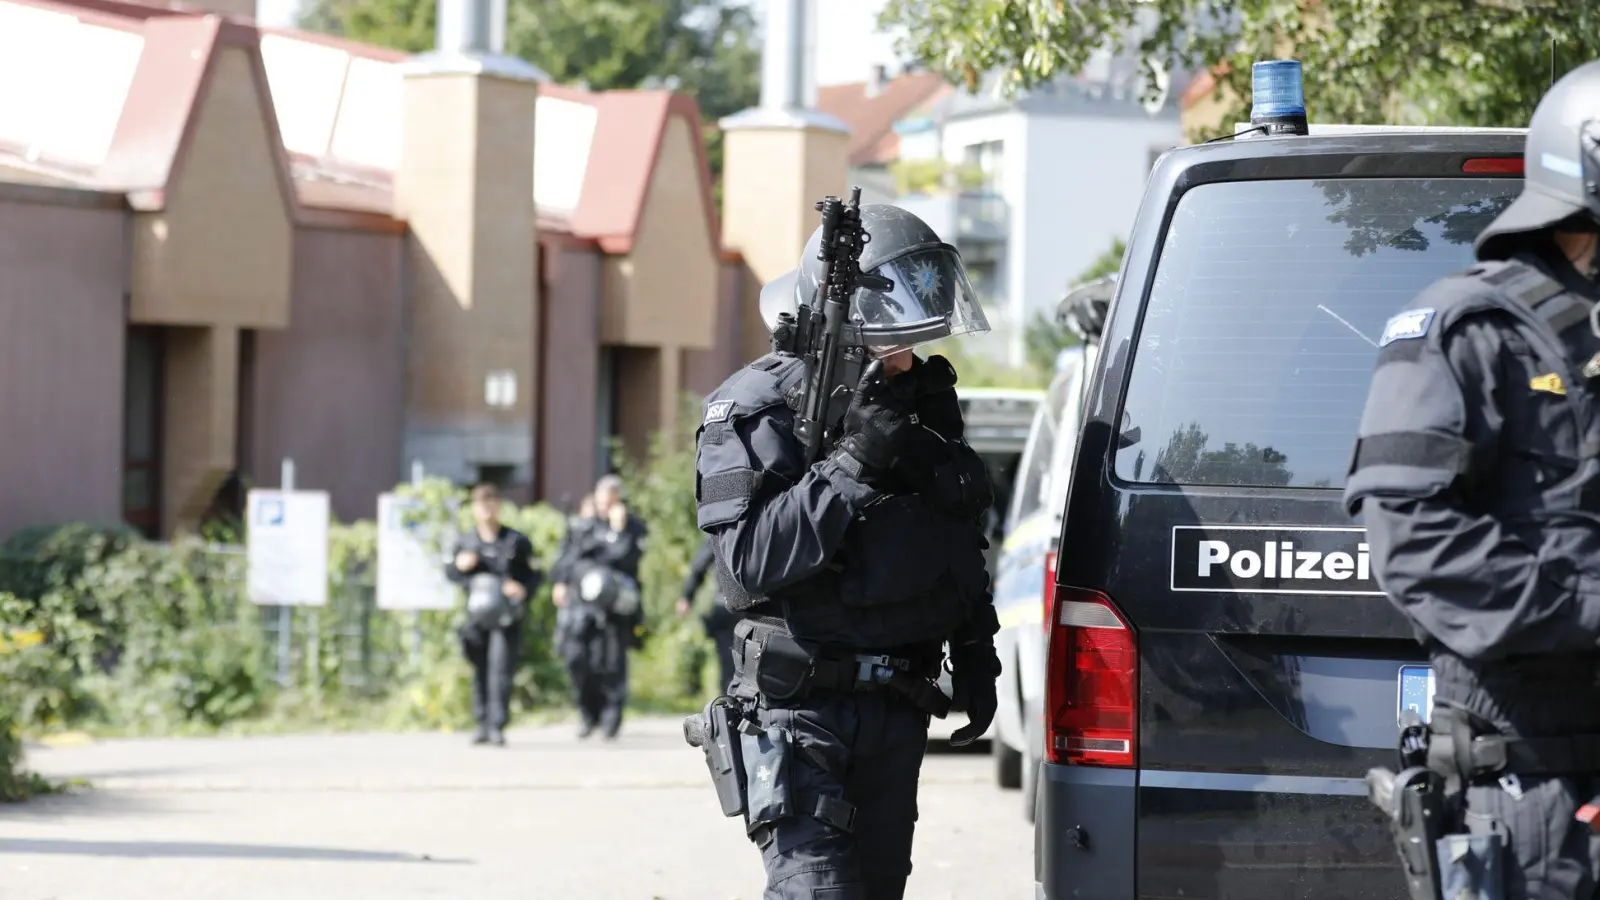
x=104 y=631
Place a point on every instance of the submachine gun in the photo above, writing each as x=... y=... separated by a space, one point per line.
x=1414 y=803
x=822 y=336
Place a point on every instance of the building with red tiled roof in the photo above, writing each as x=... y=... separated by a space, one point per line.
x=222 y=246
x=871 y=109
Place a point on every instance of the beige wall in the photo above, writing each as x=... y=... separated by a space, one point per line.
x=664 y=293
x=328 y=391
x=1206 y=116
x=63 y=262
x=771 y=181
x=465 y=187
x=220 y=250
x=703 y=370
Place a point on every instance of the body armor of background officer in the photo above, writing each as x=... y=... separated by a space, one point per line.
x=1476 y=476
x=852 y=571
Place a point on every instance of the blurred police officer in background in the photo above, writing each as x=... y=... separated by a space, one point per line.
x=852 y=569
x=1476 y=476
x=597 y=588
x=495 y=565
x=718 y=621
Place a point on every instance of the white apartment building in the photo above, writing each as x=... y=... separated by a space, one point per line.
x=1063 y=168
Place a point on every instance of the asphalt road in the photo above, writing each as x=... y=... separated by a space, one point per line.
x=341 y=817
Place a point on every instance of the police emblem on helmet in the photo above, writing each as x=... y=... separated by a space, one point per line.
x=925 y=279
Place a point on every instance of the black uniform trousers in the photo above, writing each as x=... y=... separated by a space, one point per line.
x=597 y=666
x=493 y=655
x=719 y=624
x=723 y=639
x=864 y=748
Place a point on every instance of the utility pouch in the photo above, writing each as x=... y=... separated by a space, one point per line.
x=716 y=732
x=766 y=752
x=782 y=666
x=1472 y=865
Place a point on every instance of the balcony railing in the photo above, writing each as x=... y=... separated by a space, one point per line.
x=962 y=218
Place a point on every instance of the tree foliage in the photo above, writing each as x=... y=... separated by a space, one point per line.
x=1461 y=62
x=706 y=48
x=1045 y=336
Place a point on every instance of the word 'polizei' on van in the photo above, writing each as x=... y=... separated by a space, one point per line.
x=1222 y=669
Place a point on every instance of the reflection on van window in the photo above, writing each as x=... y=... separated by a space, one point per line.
x=1261 y=329
x=1034 y=482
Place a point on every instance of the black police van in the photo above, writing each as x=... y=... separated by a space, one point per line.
x=1223 y=668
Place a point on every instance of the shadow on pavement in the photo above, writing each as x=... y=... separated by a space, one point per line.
x=204 y=850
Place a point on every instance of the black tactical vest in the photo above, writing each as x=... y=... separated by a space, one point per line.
x=1541 y=484
x=905 y=573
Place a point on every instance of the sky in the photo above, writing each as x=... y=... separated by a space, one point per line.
x=847 y=38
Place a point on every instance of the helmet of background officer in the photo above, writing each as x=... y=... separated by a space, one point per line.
x=930 y=298
x=1562 y=155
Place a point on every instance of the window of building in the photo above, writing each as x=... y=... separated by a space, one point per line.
x=496 y=474
x=989 y=159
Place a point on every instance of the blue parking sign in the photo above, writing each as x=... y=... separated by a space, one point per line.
x=269 y=511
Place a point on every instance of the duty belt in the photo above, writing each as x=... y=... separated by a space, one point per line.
x=910 y=678
x=867 y=672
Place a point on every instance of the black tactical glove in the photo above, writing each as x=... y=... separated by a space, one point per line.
x=875 y=427
x=973 y=670
x=961 y=487
x=938 y=405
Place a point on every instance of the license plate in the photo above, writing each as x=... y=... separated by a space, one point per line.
x=1416 y=692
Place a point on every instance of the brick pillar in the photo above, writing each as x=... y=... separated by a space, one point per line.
x=465 y=188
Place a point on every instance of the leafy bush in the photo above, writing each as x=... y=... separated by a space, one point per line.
x=102 y=629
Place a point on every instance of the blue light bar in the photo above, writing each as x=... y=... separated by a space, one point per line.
x=1278 y=97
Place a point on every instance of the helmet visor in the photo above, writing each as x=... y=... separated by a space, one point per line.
x=930 y=299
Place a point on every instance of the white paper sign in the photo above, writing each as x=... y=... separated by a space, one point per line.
x=410 y=573
x=288 y=548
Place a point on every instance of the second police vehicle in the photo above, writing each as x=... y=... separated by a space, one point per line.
x=1222 y=668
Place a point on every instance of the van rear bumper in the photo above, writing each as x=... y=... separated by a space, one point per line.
x=1117 y=834
x=1084 y=836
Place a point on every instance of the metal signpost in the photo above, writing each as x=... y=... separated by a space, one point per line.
x=411 y=560
x=287 y=554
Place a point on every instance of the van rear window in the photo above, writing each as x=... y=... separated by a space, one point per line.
x=1261 y=329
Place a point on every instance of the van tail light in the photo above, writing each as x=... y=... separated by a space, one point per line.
x=1049 y=592
x=1493 y=165
x=1091 y=695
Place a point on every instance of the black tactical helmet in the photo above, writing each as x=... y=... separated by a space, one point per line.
x=931 y=297
x=1561 y=163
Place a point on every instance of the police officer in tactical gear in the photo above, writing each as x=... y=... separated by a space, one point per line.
x=597 y=590
x=852 y=569
x=494 y=563
x=719 y=621
x=1477 y=476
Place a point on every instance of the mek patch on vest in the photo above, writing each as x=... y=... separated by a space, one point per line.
x=718 y=411
x=1550 y=384
x=1413 y=323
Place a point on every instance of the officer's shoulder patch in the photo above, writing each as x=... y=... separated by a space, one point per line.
x=718 y=411
x=1413 y=323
